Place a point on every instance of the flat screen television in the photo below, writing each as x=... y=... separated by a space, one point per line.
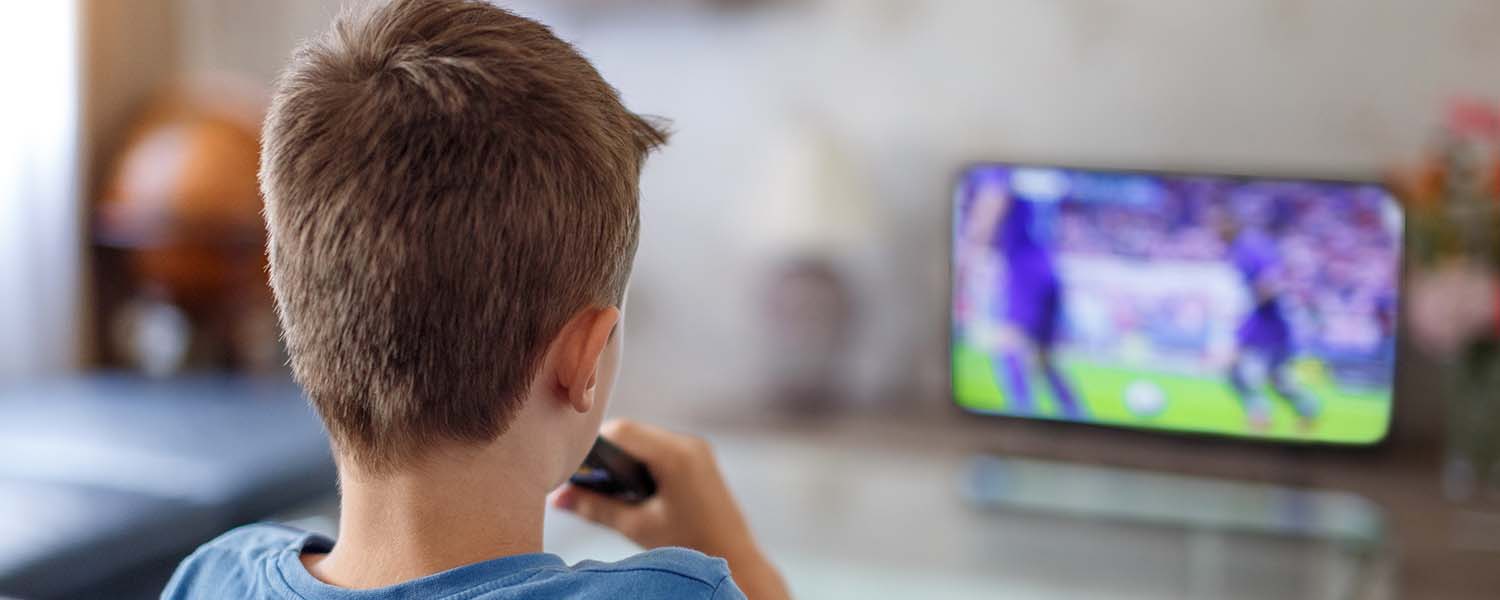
x=1261 y=308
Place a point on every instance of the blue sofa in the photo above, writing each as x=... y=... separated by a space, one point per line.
x=107 y=481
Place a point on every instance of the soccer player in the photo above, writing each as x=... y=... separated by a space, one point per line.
x=1264 y=348
x=1030 y=299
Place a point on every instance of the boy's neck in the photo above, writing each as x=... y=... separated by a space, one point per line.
x=446 y=513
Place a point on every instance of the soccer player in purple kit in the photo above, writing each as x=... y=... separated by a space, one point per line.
x=1264 y=338
x=1030 y=299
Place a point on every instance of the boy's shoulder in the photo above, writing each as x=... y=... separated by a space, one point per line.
x=678 y=567
x=255 y=543
x=258 y=561
x=258 y=537
x=235 y=560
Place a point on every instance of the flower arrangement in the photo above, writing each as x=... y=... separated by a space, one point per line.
x=1453 y=216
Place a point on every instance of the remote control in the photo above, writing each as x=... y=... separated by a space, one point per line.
x=611 y=471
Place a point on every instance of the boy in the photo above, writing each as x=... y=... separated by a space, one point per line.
x=451 y=200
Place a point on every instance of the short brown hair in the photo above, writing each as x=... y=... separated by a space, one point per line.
x=446 y=184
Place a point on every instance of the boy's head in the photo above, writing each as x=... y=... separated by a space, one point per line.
x=451 y=198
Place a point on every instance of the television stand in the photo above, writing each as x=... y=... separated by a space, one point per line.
x=1151 y=498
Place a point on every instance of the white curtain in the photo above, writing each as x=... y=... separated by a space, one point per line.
x=40 y=218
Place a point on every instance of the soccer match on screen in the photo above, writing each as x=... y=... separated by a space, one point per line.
x=1216 y=305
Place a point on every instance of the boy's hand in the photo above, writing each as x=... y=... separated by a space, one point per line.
x=692 y=508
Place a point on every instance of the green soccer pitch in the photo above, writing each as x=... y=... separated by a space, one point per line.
x=1194 y=404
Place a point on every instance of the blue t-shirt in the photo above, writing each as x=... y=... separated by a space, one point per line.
x=261 y=562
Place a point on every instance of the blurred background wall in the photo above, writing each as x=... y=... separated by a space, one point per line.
x=831 y=128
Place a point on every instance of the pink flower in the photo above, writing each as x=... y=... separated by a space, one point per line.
x=1453 y=305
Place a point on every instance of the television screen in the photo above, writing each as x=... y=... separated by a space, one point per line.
x=1247 y=307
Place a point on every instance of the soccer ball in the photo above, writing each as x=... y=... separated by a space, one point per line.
x=1145 y=399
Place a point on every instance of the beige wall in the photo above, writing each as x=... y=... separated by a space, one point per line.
x=130 y=49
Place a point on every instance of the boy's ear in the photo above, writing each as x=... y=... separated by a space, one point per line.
x=579 y=349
